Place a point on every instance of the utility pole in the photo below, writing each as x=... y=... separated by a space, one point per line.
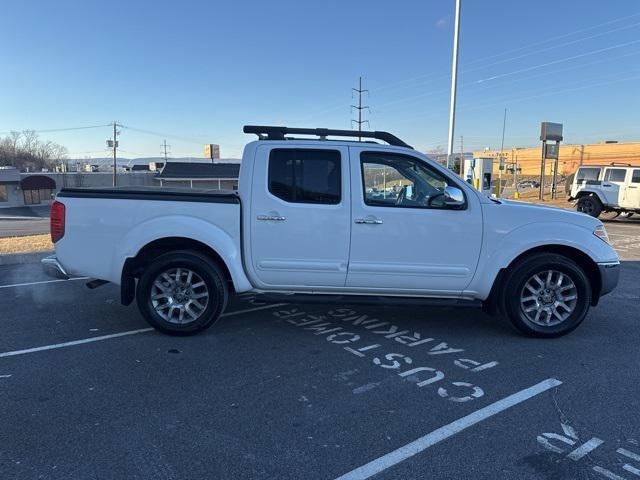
x=114 y=145
x=359 y=107
x=454 y=82
x=461 y=166
x=502 y=162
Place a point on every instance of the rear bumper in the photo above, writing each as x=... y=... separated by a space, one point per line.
x=609 y=276
x=53 y=267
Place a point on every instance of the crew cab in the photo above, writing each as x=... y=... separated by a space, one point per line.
x=334 y=220
x=607 y=189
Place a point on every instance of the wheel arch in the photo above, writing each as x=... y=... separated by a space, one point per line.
x=590 y=193
x=581 y=258
x=133 y=266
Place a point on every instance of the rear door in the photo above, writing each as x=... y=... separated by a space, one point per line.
x=631 y=198
x=613 y=184
x=300 y=216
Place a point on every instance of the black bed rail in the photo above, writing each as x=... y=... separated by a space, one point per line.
x=278 y=133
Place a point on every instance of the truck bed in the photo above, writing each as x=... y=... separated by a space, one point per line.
x=105 y=226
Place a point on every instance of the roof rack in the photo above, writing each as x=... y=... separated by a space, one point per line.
x=278 y=133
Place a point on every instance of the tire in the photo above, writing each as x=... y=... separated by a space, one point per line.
x=590 y=205
x=185 y=303
x=522 y=306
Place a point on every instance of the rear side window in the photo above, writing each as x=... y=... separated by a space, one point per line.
x=636 y=176
x=305 y=176
x=615 y=175
x=587 y=174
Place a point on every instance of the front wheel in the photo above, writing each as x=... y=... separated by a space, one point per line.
x=546 y=295
x=590 y=205
x=182 y=293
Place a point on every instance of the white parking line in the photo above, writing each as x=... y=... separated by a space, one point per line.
x=115 y=335
x=393 y=458
x=43 y=282
x=72 y=343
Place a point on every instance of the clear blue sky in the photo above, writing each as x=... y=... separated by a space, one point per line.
x=201 y=69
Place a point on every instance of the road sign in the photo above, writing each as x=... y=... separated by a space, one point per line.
x=212 y=151
x=551 y=132
x=551 y=151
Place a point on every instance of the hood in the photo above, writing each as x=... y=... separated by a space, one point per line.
x=529 y=213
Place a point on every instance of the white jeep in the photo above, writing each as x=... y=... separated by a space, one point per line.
x=610 y=189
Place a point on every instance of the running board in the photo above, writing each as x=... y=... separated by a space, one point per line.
x=379 y=300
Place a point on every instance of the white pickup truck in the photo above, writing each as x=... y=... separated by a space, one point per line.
x=334 y=221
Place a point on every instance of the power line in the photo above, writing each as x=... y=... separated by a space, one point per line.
x=50 y=130
x=360 y=107
x=492 y=85
x=163 y=135
x=483 y=59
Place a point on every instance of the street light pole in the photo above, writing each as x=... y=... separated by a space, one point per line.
x=454 y=82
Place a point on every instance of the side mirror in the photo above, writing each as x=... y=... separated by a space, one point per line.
x=453 y=197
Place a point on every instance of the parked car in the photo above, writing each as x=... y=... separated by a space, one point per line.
x=528 y=184
x=301 y=224
x=607 y=189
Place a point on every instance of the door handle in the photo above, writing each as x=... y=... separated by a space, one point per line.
x=632 y=186
x=275 y=218
x=368 y=221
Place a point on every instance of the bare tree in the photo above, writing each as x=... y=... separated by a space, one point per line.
x=25 y=151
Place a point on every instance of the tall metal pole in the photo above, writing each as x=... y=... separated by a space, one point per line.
x=454 y=82
x=360 y=108
x=115 y=140
x=502 y=162
x=542 y=169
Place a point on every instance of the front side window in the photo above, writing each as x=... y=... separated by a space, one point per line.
x=305 y=176
x=587 y=174
x=615 y=175
x=394 y=180
x=636 y=176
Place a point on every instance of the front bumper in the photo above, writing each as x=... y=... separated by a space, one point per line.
x=609 y=276
x=54 y=268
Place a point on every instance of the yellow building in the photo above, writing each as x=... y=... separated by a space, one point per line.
x=570 y=158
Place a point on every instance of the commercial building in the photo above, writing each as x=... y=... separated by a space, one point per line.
x=570 y=157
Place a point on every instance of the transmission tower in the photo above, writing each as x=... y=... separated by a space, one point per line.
x=359 y=107
x=165 y=150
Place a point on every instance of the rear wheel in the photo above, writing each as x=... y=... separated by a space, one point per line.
x=182 y=293
x=546 y=295
x=590 y=205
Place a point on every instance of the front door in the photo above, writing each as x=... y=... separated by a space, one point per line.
x=404 y=239
x=300 y=217
x=631 y=197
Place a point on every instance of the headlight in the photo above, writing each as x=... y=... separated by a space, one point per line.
x=601 y=233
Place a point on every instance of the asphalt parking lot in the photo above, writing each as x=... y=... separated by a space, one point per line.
x=314 y=391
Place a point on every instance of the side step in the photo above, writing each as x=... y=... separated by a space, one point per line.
x=382 y=301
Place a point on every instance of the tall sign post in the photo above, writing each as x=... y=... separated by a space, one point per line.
x=550 y=132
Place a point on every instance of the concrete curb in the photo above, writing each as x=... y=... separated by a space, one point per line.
x=20 y=258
